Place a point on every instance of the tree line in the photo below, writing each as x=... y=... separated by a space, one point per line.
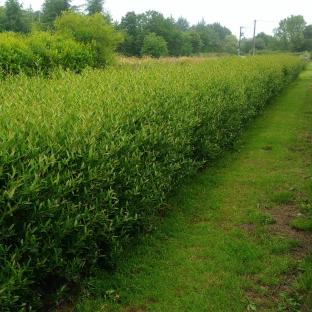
x=151 y=33
x=148 y=33
x=13 y=17
x=293 y=35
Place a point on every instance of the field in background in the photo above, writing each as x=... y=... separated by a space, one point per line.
x=124 y=60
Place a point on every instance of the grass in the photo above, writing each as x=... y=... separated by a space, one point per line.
x=226 y=243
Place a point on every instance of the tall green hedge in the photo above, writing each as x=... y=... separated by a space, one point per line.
x=86 y=159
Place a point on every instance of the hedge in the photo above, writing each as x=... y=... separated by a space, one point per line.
x=86 y=160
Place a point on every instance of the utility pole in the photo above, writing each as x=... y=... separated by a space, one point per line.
x=254 y=39
x=240 y=39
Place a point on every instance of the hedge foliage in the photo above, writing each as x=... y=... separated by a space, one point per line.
x=86 y=159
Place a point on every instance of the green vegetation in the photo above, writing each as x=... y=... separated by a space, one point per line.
x=174 y=37
x=181 y=38
x=293 y=34
x=78 y=42
x=95 y=6
x=303 y=221
x=154 y=46
x=93 y=31
x=51 y=9
x=40 y=42
x=41 y=52
x=87 y=160
x=13 y=18
x=225 y=243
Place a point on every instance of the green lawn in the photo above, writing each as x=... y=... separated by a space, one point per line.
x=229 y=241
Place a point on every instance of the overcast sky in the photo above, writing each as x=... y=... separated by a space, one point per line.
x=231 y=14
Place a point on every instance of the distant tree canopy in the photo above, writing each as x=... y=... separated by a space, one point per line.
x=182 y=24
x=181 y=38
x=14 y=18
x=166 y=35
x=51 y=9
x=264 y=42
x=229 y=44
x=95 y=6
x=290 y=33
x=154 y=46
x=308 y=38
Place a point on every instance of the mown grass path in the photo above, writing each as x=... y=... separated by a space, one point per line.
x=226 y=243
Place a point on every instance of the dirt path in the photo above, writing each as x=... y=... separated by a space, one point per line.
x=229 y=241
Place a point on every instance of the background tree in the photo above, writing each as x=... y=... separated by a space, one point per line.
x=212 y=36
x=181 y=39
x=95 y=6
x=308 y=38
x=229 y=45
x=155 y=22
x=95 y=31
x=186 y=45
x=14 y=18
x=221 y=31
x=154 y=46
x=246 y=45
x=196 y=42
x=32 y=18
x=51 y=9
x=182 y=24
x=2 y=19
x=208 y=37
x=308 y=32
x=132 y=27
x=266 y=42
x=290 y=33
